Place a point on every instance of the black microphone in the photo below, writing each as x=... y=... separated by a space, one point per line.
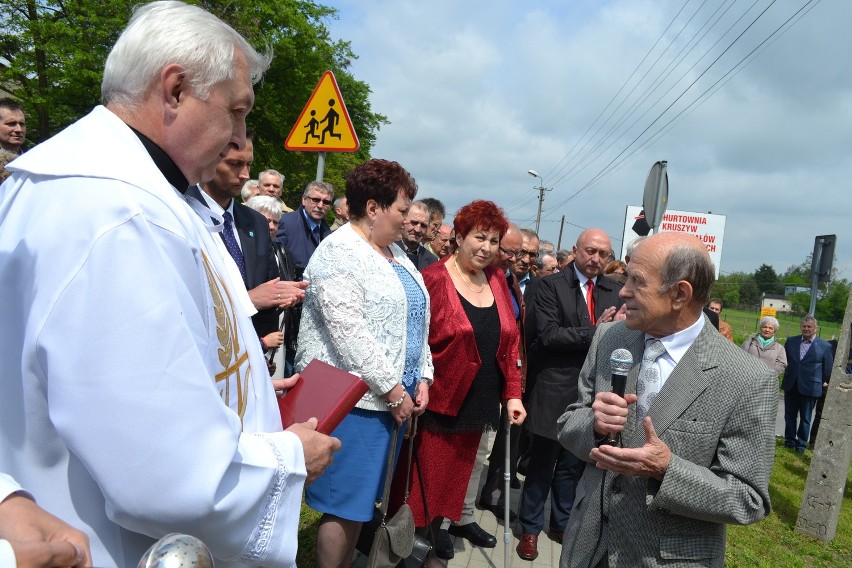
x=619 y=362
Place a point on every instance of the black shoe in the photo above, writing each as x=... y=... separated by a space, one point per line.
x=444 y=547
x=475 y=534
x=800 y=450
x=497 y=511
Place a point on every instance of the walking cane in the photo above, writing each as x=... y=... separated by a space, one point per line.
x=507 y=487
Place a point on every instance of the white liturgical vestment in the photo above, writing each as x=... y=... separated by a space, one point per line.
x=121 y=332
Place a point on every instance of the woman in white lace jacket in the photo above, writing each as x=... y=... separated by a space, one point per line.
x=366 y=311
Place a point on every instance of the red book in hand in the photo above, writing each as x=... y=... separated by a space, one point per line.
x=323 y=391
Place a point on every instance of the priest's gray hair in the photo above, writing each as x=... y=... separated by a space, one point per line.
x=265 y=204
x=170 y=32
x=691 y=264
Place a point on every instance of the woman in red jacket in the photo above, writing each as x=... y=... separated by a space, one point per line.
x=474 y=343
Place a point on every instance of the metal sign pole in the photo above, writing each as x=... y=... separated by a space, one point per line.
x=320 y=165
x=815 y=275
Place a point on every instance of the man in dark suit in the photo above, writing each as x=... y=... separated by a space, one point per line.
x=301 y=231
x=693 y=437
x=413 y=230
x=567 y=308
x=246 y=236
x=809 y=361
x=523 y=266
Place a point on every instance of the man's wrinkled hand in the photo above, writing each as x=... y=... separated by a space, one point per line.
x=651 y=460
x=610 y=412
x=318 y=448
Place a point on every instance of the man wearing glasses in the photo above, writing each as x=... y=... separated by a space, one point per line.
x=302 y=230
x=522 y=268
x=567 y=308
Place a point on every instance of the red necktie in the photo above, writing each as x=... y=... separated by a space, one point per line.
x=590 y=299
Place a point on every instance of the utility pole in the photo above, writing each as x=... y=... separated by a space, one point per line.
x=822 y=499
x=561 y=227
x=541 y=189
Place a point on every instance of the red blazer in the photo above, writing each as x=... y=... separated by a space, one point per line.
x=453 y=344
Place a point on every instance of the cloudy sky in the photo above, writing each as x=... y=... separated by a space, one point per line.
x=591 y=93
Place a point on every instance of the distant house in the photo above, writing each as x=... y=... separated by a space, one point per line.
x=793 y=289
x=780 y=303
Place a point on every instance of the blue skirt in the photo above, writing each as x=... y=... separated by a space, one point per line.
x=351 y=485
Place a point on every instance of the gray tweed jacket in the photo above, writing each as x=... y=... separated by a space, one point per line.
x=716 y=412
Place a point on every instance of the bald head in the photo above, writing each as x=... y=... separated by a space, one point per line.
x=669 y=281
x=592 y=252
x=511 y=242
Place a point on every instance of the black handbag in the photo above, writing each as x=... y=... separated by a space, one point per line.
x=392 y=542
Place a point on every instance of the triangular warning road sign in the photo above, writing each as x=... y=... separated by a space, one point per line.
x=324 y=125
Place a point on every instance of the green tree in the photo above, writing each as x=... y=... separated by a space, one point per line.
x=800 y=302
x=727 y=287
x=832 y=305
x=767 y=280
x=749 y=292
x=56 y=51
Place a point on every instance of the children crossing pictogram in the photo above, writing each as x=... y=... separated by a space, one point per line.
x=331 y=133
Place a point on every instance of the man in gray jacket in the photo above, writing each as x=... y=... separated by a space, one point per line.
x=693 y=437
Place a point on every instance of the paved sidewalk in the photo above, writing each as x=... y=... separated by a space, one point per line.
x=470 y=556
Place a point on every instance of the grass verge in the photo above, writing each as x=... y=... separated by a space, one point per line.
x=773 y=541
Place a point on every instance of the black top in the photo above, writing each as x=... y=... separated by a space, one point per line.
x=481 y=406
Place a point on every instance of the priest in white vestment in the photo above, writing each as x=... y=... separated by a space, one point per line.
x=136 y=401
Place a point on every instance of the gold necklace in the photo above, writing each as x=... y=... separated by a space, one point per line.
x=465 y=280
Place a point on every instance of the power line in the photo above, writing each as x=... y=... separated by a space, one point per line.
x=620 y=89
x=585 y=160
x=605 y=169
x=703 y=96
x=657 y=82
